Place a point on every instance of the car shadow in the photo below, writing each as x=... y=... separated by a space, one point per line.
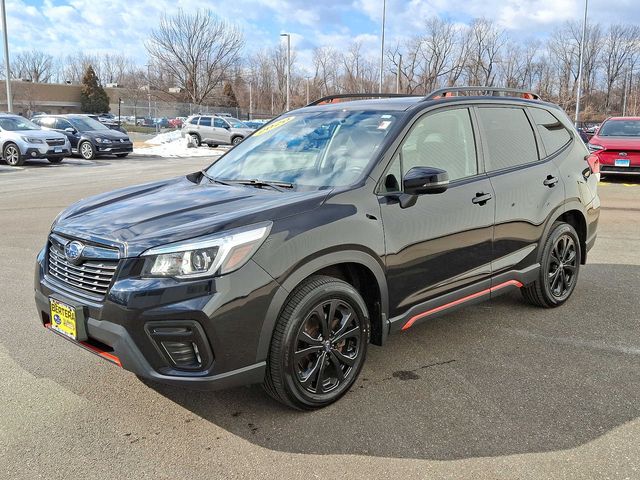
x=495 y=379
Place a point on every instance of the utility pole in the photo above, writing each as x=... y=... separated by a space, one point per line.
x=307 y=91
x=6 y=59
x=627 y=89
x=384 y=13
x=584 y=36
x=288 y=66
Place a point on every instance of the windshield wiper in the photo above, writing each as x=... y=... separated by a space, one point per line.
x=211 y=179
x=279 y=186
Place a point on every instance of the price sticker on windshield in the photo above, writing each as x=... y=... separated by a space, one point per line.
x=273 y=126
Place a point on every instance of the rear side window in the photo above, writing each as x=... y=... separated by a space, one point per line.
x=553 y=133
x=205 y=121
x=508 y=137
x=194 y=120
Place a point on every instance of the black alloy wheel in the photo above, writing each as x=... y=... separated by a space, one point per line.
x=563 y=264
x=327 y=347
x=559 y=267
x=319 y=344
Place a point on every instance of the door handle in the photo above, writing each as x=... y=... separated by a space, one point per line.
x=550 y=181
x=481 y=198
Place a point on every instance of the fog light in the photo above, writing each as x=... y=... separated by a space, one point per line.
x=183 y=354
x=33 y=154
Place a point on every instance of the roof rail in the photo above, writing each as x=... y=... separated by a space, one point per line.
x=339 y=96
x=488 y=91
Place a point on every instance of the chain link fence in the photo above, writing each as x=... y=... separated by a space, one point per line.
x=159 y=109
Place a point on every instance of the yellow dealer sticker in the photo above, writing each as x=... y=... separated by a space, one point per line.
x=273 y=126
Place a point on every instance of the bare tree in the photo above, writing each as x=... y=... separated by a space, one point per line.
x=485 y=43
x=621 y=42
x=197 y=49
x=34 y=65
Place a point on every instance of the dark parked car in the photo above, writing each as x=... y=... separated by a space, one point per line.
x=89 y=138
x=326 y=230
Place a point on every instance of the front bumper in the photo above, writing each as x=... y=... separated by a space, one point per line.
x=114 y=148
x=46 y=152
x=229 y=310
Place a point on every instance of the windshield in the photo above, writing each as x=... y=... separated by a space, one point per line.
x=235 y=123
x=312 y=150
x=86 y=124
x=16 y=124
x=620 y=128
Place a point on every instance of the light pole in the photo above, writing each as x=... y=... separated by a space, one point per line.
x=6 y=59
x=149 y=87
x=384 y=13
x=250 y=99
x=307 y=91
x=584 y=36
x=398 y=75
x=288 y=64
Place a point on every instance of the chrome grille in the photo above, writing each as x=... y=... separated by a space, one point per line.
x=55 y=142
x=90 y=276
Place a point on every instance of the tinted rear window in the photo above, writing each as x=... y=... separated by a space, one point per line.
x=508 y=136
x=553 y=133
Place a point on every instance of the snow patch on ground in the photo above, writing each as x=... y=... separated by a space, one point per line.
x=173 y=145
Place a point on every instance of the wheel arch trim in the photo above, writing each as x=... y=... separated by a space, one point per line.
x=306 y=270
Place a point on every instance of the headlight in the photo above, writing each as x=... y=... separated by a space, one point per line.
x=594 y=148
x=32 y=140
x=103 y=140
x=206 y=256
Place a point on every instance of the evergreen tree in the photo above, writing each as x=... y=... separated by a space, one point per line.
x=229 y=96
x=93 y=98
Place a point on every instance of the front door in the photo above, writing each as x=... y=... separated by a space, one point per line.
x=527 y=186
x=443 y=242
x=222 y=132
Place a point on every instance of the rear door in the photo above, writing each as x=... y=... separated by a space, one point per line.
x=205 y=129
x=443 y=242
x=527 y=186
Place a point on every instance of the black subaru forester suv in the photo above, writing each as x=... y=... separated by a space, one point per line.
x=326 y=230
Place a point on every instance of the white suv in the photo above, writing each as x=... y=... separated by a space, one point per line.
x=214 y=130
x=21 y=140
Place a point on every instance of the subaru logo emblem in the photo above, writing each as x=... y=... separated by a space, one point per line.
x=73 y=251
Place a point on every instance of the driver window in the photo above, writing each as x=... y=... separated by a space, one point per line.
x=219 y=123
x=442 y=140
x=62 y=124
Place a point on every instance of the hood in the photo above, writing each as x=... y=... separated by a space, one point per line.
x=110 y=134
x=138 y=218
x=40 y=133
x=617 y=143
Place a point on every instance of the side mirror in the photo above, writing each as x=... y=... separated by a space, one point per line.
x=425 y=180
x=70 y=130
x=226 y=127
x=422 y=181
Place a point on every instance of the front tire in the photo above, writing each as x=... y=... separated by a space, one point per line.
x=87 y=151
x=559 y=268
x=319 y=344
x=11 y=154
x=236 y=140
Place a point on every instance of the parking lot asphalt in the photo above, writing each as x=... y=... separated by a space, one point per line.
x=499 y=390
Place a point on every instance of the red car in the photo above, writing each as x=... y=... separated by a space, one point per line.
x=617 y=145
x=175 y=122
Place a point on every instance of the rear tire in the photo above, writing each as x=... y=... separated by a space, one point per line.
x=559 y=268
x=236 y=140
x=319 y=344
x=196 y=139
x=11 y=154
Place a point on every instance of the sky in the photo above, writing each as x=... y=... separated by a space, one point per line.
x=63 y=27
